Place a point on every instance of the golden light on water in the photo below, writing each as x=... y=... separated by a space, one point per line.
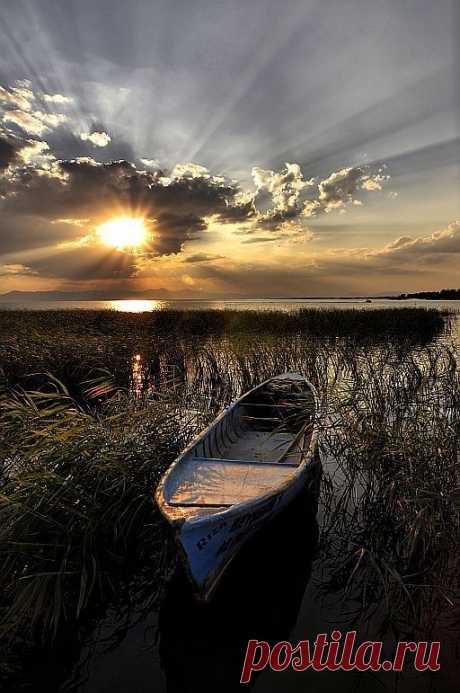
x=137 y=374
x=136 y=306
x=123 y=232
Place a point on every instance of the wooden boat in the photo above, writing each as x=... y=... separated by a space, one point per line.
x=239 y=473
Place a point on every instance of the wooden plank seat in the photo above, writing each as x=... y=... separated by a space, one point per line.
x=207 y=481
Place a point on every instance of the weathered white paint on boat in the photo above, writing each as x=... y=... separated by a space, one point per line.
x=239 y=473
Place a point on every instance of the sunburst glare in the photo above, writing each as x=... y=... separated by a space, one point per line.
x=123 y=232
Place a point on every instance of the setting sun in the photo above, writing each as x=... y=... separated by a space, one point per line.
x=123 y=232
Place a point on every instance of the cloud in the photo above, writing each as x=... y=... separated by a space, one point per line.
x=8 y=152
x=29 y=234
x=190 y=170
x=52 y=120
x=36 y=152
x=26 y=121
x=46 y=208
x=399 y=265
x=17 y=102
x=251 y=279
x=14 y=270
x=203 y=257
x=51 y=207
x=423 y=248
x=405 y=257
x=278 y=194
x=260 y=239
x=98 y=139
x=287 y=196
x=84 y=262
x=374 y=182
x=36 y=122
x=57 y=99
x=16 y=98
x=73 y=222
x=150 y=163
x=339 y=188
x=181 y=201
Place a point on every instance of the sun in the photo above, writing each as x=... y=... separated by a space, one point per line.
x=123 y=232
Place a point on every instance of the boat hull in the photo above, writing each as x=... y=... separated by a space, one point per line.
x=209 y=544
x=239 y=473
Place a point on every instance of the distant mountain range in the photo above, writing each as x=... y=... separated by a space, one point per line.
x=165 y=294
x=152 y=295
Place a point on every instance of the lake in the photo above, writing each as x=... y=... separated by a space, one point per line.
x=288 y=305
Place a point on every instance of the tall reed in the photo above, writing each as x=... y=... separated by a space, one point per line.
x=83 y=445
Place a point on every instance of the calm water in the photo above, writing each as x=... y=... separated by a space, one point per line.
x=134 y=306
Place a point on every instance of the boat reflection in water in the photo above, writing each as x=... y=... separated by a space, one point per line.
x=202 y=646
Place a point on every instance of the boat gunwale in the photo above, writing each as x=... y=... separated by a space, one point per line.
x=237 y=508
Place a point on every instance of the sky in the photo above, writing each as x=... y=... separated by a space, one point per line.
x=302 y=148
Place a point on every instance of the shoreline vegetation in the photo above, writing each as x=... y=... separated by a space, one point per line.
x=312 y=321
x=443 y=295
x=94 y=405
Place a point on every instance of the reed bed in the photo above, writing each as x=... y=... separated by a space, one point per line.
x=391 y=520
x=85 y=434
x=405 y=321
x=79 y=345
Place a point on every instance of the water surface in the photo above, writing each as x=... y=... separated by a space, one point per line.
x=139 y=306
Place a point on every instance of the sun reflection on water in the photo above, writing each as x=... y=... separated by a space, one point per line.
x=136 y=371
x=136 y=306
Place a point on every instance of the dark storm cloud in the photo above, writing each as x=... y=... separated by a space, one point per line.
x=82 y=188
x=88 y=188
x=8 y=152
x=198 y=197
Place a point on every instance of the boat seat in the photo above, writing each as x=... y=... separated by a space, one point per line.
x=207 y=481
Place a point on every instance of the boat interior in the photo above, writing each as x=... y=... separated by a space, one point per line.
x=253 y=449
